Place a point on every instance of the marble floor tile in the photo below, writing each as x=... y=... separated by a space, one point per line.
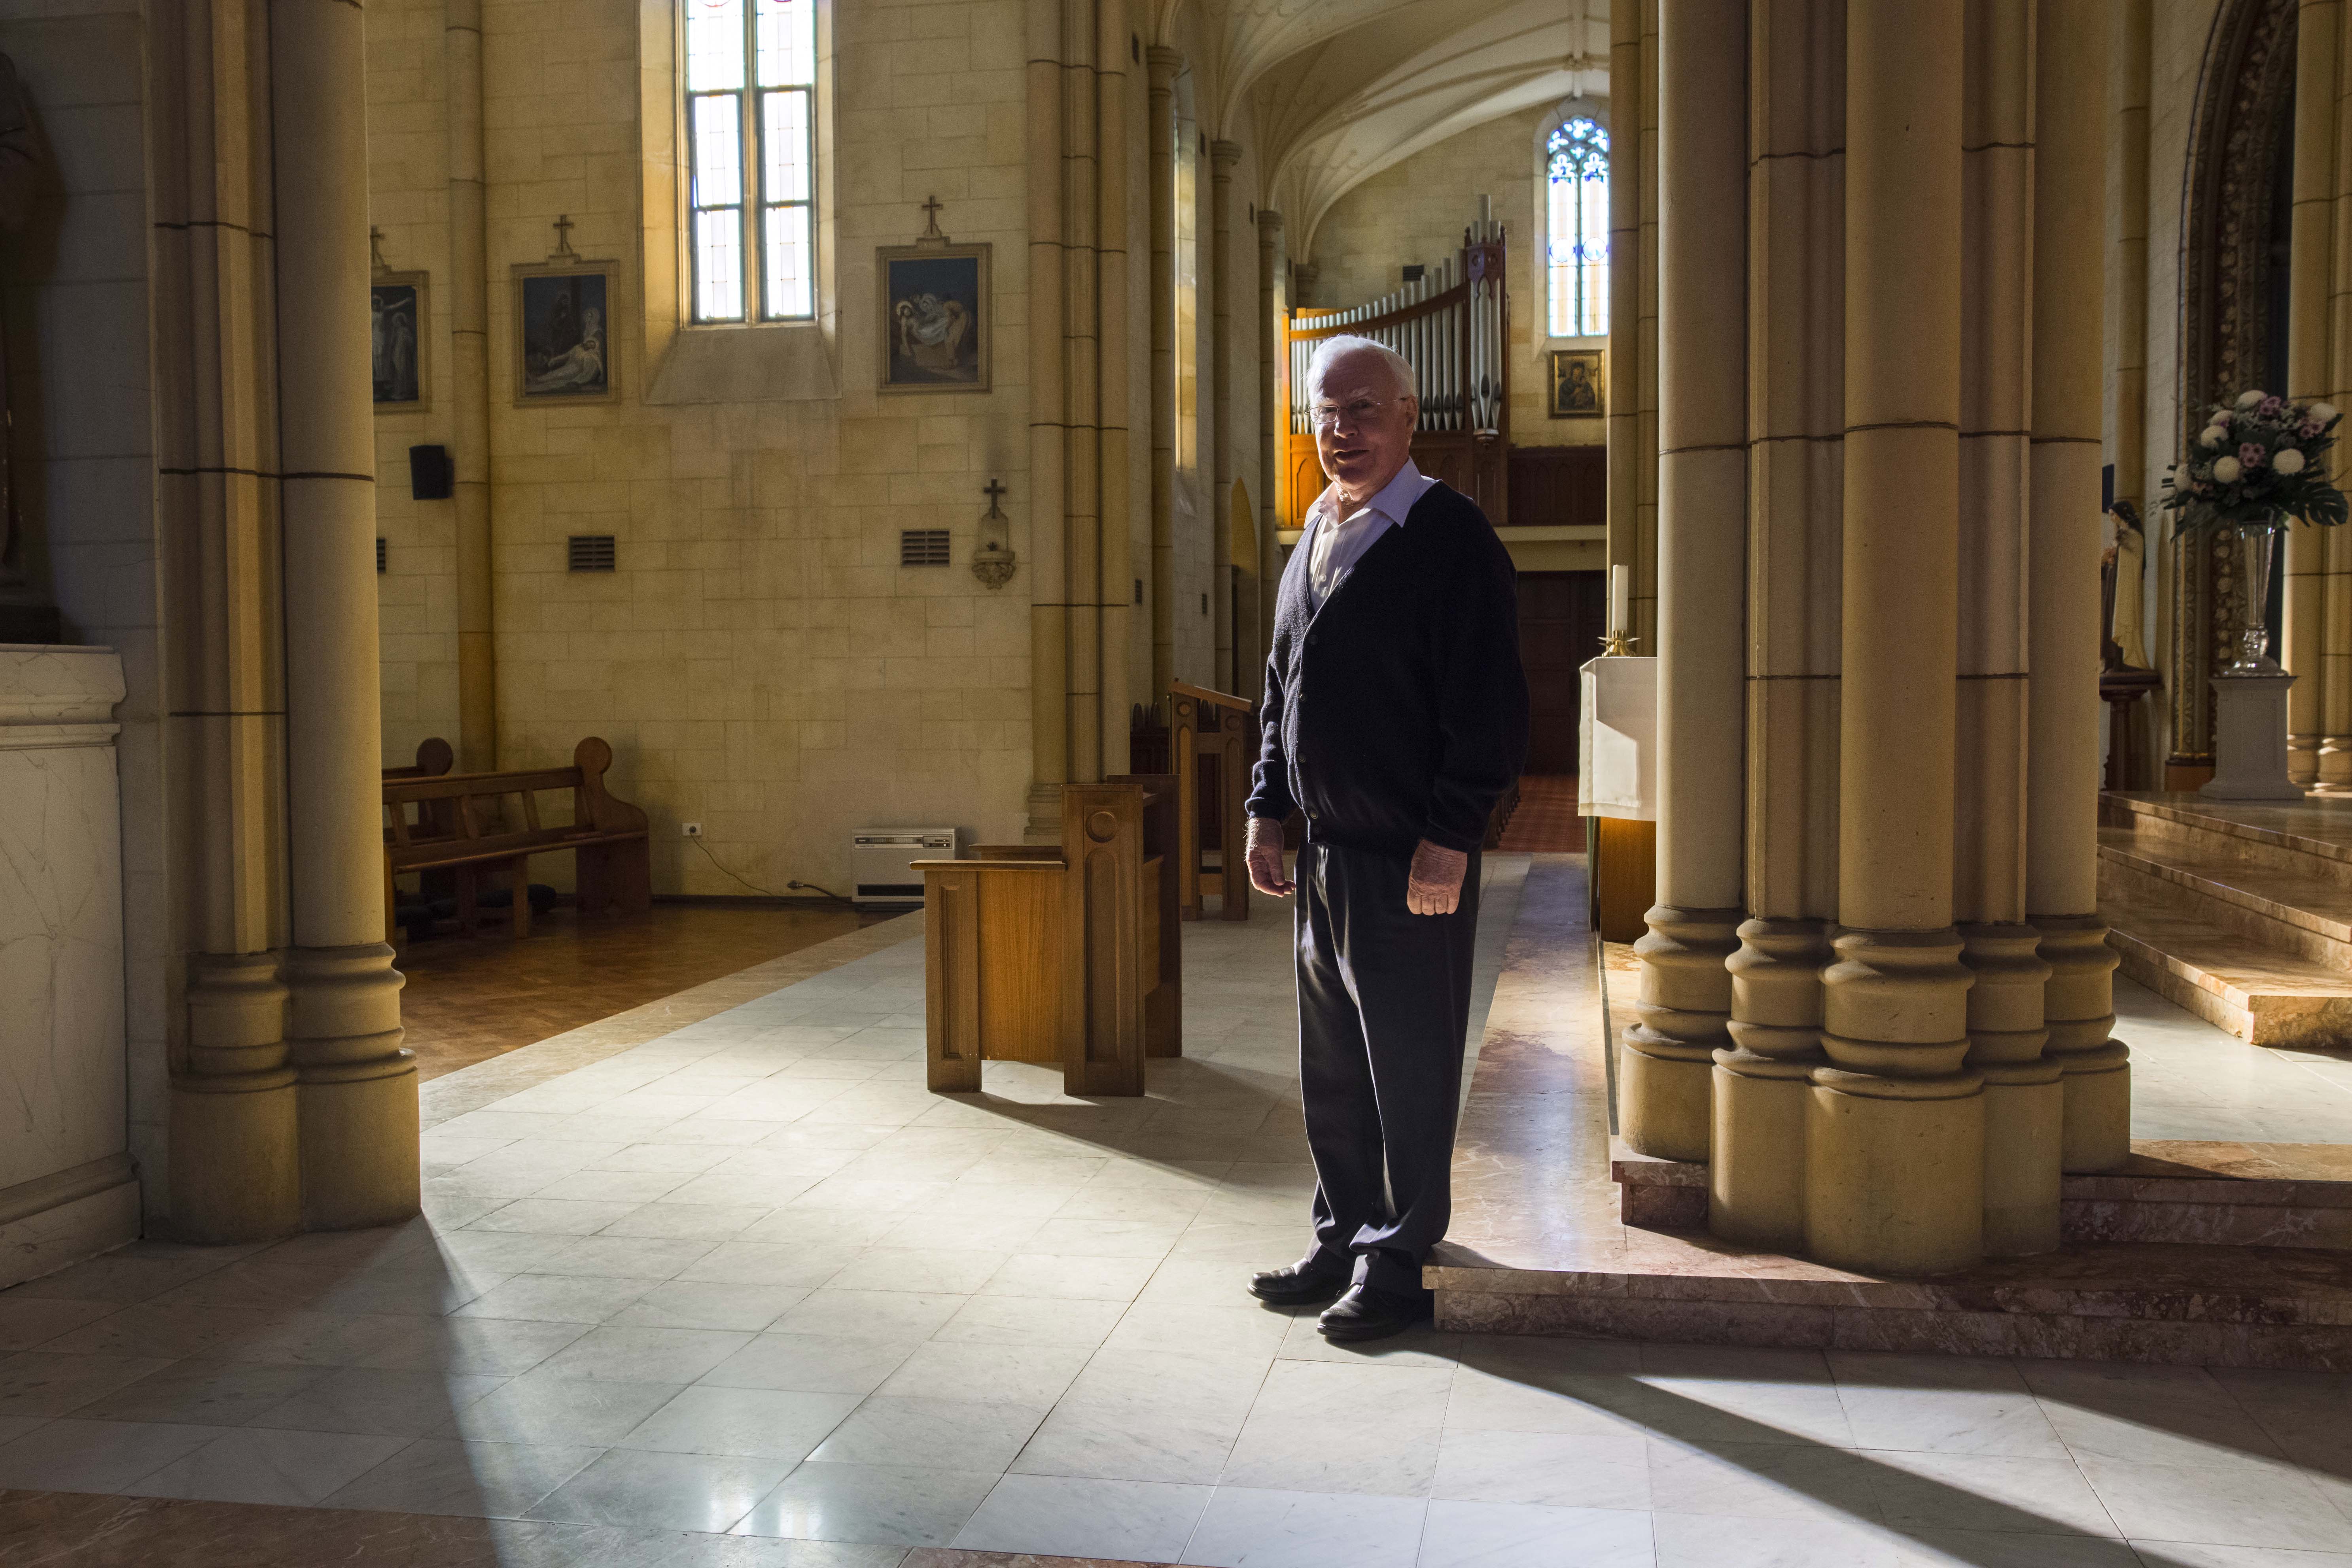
x=746 y=1262
x=1200 y=1330
x=564 y=1411
x=202 y=1394
x=987 y=1373
x=2161 y=1414
x=612 y=1186
x=71 y=1455
x=1958 y=1405
x=695 y=1304
x=375 y=1402
x=1547 y=1469
x=1510 y=1535
x=2225 y=1505
x=1761 y=1481
x=1717 y=1540
x=1078 y=1279
x=2036 y=1495
x=265 y=1465
x=1346 y=1394
x=1318 y=1454
x=644 y=1489
x=869 y=1315
x=753 y=1423
x=1105 y=1237
x=553 y=1216
x=1031 y=1320
x=495 y=1347
x=627 y=1257
x=49 y=1382
x=29 y=1322
x=1222 y=1386
x=446 y=1476
x=1243 y=1527
x=694 y=1222
x=1130 y=1443
x=811 y=1363
x=938 y=1434
x=585 y=1300
x=643 y=1355
x=895 y=1504
x=946 y=1271
x=1066 y=1517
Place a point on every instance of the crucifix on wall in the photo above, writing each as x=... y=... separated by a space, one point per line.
x=932 y=207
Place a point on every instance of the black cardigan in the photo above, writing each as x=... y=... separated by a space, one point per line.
x=1400 y=711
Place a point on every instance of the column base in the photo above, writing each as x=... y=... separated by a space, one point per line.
x=358 y=1087
x=2079 y=1008
x=2097 y=1119
x=1756 y=1168
x=235 y=1172
x=2024 y=1113
x=1894 y=1172
x=1663 y=1091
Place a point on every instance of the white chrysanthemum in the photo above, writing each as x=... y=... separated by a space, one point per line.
x=2212 y=436
x=2323 y=412
x=2226 y=470
x=2248 y=399
x=2287 y=460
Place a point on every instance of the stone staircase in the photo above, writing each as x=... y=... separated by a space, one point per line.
x=2239 y=911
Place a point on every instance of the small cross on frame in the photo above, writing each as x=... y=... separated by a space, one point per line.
x=995 y=490
x=562 y=237
x=375 y=249
x=932 y=207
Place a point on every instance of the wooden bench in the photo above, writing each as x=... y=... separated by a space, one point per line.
x=1062 y=953
x=1221 y=729
x=434 y=758
x=473 y=823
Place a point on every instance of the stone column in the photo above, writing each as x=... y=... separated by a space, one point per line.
x=231 y=1173
x=2127 y=424
x=2062 y=892
x=1222 y=156
x=2310 y=280
x=2021 y=1099
x=1894 y=1132
x=470 y=388
x=1047 y=555
x=2329 y=666
x=1643 y=382
x=1110 y=340
x=1795 y=423
x=1164 y=64
x=1625 y=465
x=1684 y=999
x=1273 y=414
x=357 y=1083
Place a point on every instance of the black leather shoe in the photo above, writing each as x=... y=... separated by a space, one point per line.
x=1369 y=1312
x=1297 y=1286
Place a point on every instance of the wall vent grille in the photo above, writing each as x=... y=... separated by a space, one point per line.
x=592 y=551
x=379 y=552
x=923 y=547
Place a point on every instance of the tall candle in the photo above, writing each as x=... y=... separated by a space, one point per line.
x=1620 y=599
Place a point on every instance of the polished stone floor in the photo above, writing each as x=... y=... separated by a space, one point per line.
x=742 y=1293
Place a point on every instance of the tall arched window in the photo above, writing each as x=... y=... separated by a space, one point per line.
x=751 y=91
x=1576 y=176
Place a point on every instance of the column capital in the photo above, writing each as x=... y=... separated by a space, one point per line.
x=1222 y=156
x=1269 y=223
x=1162 y=64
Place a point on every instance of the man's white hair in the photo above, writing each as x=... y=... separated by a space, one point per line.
x=1330 y=350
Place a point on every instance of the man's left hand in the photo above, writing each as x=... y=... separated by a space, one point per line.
x=1434 y=884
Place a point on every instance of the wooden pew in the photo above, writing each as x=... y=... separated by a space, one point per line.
x=434 y=758
x=1219 y=726
x=1065 y=952
x=474 y=823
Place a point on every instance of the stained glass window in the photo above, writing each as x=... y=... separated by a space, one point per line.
x=751 y=83
x=1576 y=268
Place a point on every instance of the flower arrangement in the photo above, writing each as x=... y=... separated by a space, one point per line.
x=2256 y=463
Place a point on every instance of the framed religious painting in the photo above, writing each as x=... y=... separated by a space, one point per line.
x=937 y=317
x=1576 y=388
x=565 y=332
x=398 y=330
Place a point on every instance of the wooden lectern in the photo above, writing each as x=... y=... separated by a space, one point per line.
x=1062 y=953
x=1219 y=726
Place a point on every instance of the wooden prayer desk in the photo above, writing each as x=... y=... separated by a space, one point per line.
x=1062 y=953
x=1219 y=727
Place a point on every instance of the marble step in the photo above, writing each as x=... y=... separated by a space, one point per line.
x=2170 y=1193
x=2266 y=995
x=2311 y=837
x=2307 y=915
x=2171 y=1304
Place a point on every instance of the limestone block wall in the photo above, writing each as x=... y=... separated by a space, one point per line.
x=1414 y=211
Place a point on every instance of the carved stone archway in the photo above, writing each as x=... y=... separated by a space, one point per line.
x=2245 y=123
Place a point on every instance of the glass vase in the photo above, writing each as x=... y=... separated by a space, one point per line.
x=2250 y=546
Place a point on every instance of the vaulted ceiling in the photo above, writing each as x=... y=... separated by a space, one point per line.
x=1339 y=90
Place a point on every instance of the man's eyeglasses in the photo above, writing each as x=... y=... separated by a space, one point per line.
x=1332 y=416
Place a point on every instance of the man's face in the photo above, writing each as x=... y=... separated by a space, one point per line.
x=1363 y=426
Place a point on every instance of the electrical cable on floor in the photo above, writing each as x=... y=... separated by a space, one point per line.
x=812 y=886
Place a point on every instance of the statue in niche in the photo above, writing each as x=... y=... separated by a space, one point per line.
x=2126 y=560
x=23 y=169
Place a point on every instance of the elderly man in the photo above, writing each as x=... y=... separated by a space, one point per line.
x=1395 y=714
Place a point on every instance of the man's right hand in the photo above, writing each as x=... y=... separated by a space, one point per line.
x=1265 y=856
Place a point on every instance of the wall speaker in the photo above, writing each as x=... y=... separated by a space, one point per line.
x=431 y=475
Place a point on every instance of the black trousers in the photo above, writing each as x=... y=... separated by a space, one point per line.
x=1383 y=1010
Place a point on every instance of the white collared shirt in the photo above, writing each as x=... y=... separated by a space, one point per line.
x=1333 y=547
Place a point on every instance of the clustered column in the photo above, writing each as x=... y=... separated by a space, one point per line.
x=1913 y=443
